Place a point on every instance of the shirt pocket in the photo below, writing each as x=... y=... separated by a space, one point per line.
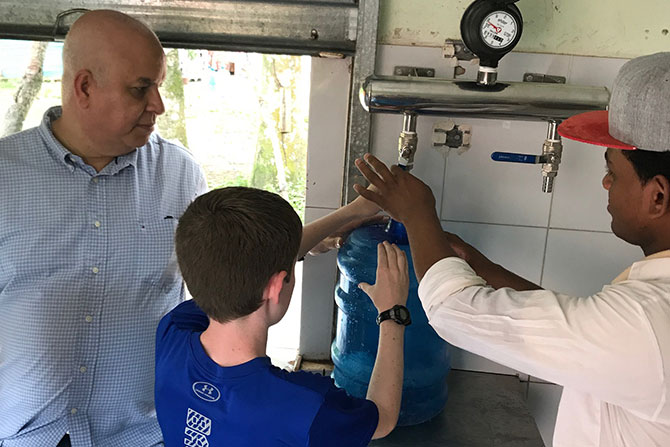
x=157 y=258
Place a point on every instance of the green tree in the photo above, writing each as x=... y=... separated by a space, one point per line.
x=172 y=123
x=27 y=91
x=281 y=148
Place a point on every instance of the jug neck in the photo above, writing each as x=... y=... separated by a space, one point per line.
x=396 y=232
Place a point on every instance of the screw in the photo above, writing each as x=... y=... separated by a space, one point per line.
x=314 y=34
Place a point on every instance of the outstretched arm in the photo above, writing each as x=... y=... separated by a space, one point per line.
x=354 y=214
x=390 y=288
x=494 y=274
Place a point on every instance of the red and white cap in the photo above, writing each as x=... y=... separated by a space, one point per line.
x=638 y=116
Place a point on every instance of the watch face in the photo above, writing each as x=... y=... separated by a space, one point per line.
x=402 y=314
x=498 y=29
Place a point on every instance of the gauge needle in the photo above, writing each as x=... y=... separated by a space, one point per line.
x=497 y=28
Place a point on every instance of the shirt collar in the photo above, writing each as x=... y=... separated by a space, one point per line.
x=54 y=147
x=653 y=266
x=220 y=372
x=63 y=155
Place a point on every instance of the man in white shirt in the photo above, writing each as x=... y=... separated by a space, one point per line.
x=611 y=350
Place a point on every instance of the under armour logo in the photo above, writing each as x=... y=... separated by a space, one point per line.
x=206 y=391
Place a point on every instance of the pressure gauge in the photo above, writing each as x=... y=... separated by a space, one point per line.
x=499 y=29
x=491 y=29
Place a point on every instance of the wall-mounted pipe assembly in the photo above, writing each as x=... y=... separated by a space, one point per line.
x=528 y=101
x=531 y=101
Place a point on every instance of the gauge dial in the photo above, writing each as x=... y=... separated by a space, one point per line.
x=498 y=29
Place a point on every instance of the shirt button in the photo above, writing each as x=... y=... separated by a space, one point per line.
x=97 y=224
x=82 y=369
x=95 y=269
x=88 y=318
x=95 y=179
x=73 y=411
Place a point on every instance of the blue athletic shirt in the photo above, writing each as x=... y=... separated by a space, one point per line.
x=255 y=404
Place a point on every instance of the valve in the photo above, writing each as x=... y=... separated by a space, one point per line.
x=550 y=158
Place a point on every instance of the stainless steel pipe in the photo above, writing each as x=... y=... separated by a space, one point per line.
x=532 y=101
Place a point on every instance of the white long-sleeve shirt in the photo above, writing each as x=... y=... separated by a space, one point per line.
x=610 y=351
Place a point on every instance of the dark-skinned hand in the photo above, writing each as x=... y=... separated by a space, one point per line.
x=399 y=193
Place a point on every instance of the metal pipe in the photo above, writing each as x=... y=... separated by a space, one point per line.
x=408 y=140
x=552 y=150
x=504 y=100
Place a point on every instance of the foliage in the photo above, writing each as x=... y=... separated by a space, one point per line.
x=172 y=123
x=283 y=116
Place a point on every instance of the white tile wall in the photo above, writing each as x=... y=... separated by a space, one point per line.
x=560 y=240
x=580 y=201
x=478 y=189
x=325 y=165
x=327 y=131
x=580 y=262
x=319 y=278
x=519 y=249
x=284 y=337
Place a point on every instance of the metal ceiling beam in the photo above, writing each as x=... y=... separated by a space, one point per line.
x=315 y=27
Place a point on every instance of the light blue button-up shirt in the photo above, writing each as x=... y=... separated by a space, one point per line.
x=87 y=269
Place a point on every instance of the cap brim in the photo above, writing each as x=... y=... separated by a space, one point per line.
x=592 y=128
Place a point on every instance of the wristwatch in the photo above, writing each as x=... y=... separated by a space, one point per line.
x=398 y=313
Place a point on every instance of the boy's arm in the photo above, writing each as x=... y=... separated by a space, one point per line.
x=314 y=232
x=391 y=288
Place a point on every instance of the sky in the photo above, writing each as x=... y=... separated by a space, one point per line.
x=15 y=55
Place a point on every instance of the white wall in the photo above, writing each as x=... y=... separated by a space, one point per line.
x=561 y=240
x=612 y=28
x=328 y=108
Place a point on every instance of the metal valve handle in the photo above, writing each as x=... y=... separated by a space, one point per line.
x=511 y=157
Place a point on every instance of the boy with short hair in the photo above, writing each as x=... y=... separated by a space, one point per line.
x=215 y=386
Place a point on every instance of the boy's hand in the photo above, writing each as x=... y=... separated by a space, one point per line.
x=392 y=284
x=336 y=239
x=364 y=208
x=398 y=192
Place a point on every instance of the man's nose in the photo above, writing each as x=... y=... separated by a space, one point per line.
x=155 y=104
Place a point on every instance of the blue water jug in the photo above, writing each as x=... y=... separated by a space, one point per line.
x=354 y=349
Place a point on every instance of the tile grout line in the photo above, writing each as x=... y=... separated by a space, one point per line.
x=526 y=226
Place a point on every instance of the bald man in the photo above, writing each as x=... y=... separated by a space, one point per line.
x=90 y=200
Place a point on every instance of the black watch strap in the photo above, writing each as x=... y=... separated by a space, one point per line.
x=398 y=313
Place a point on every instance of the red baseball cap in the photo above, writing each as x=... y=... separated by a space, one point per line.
x=592 y=128
x=638 y=116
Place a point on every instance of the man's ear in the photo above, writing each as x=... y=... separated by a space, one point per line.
x=83 y=81
x=274 y=287
x=657 y=196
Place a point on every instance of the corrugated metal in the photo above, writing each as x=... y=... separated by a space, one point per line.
x=358 y=137
x=291 y=26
